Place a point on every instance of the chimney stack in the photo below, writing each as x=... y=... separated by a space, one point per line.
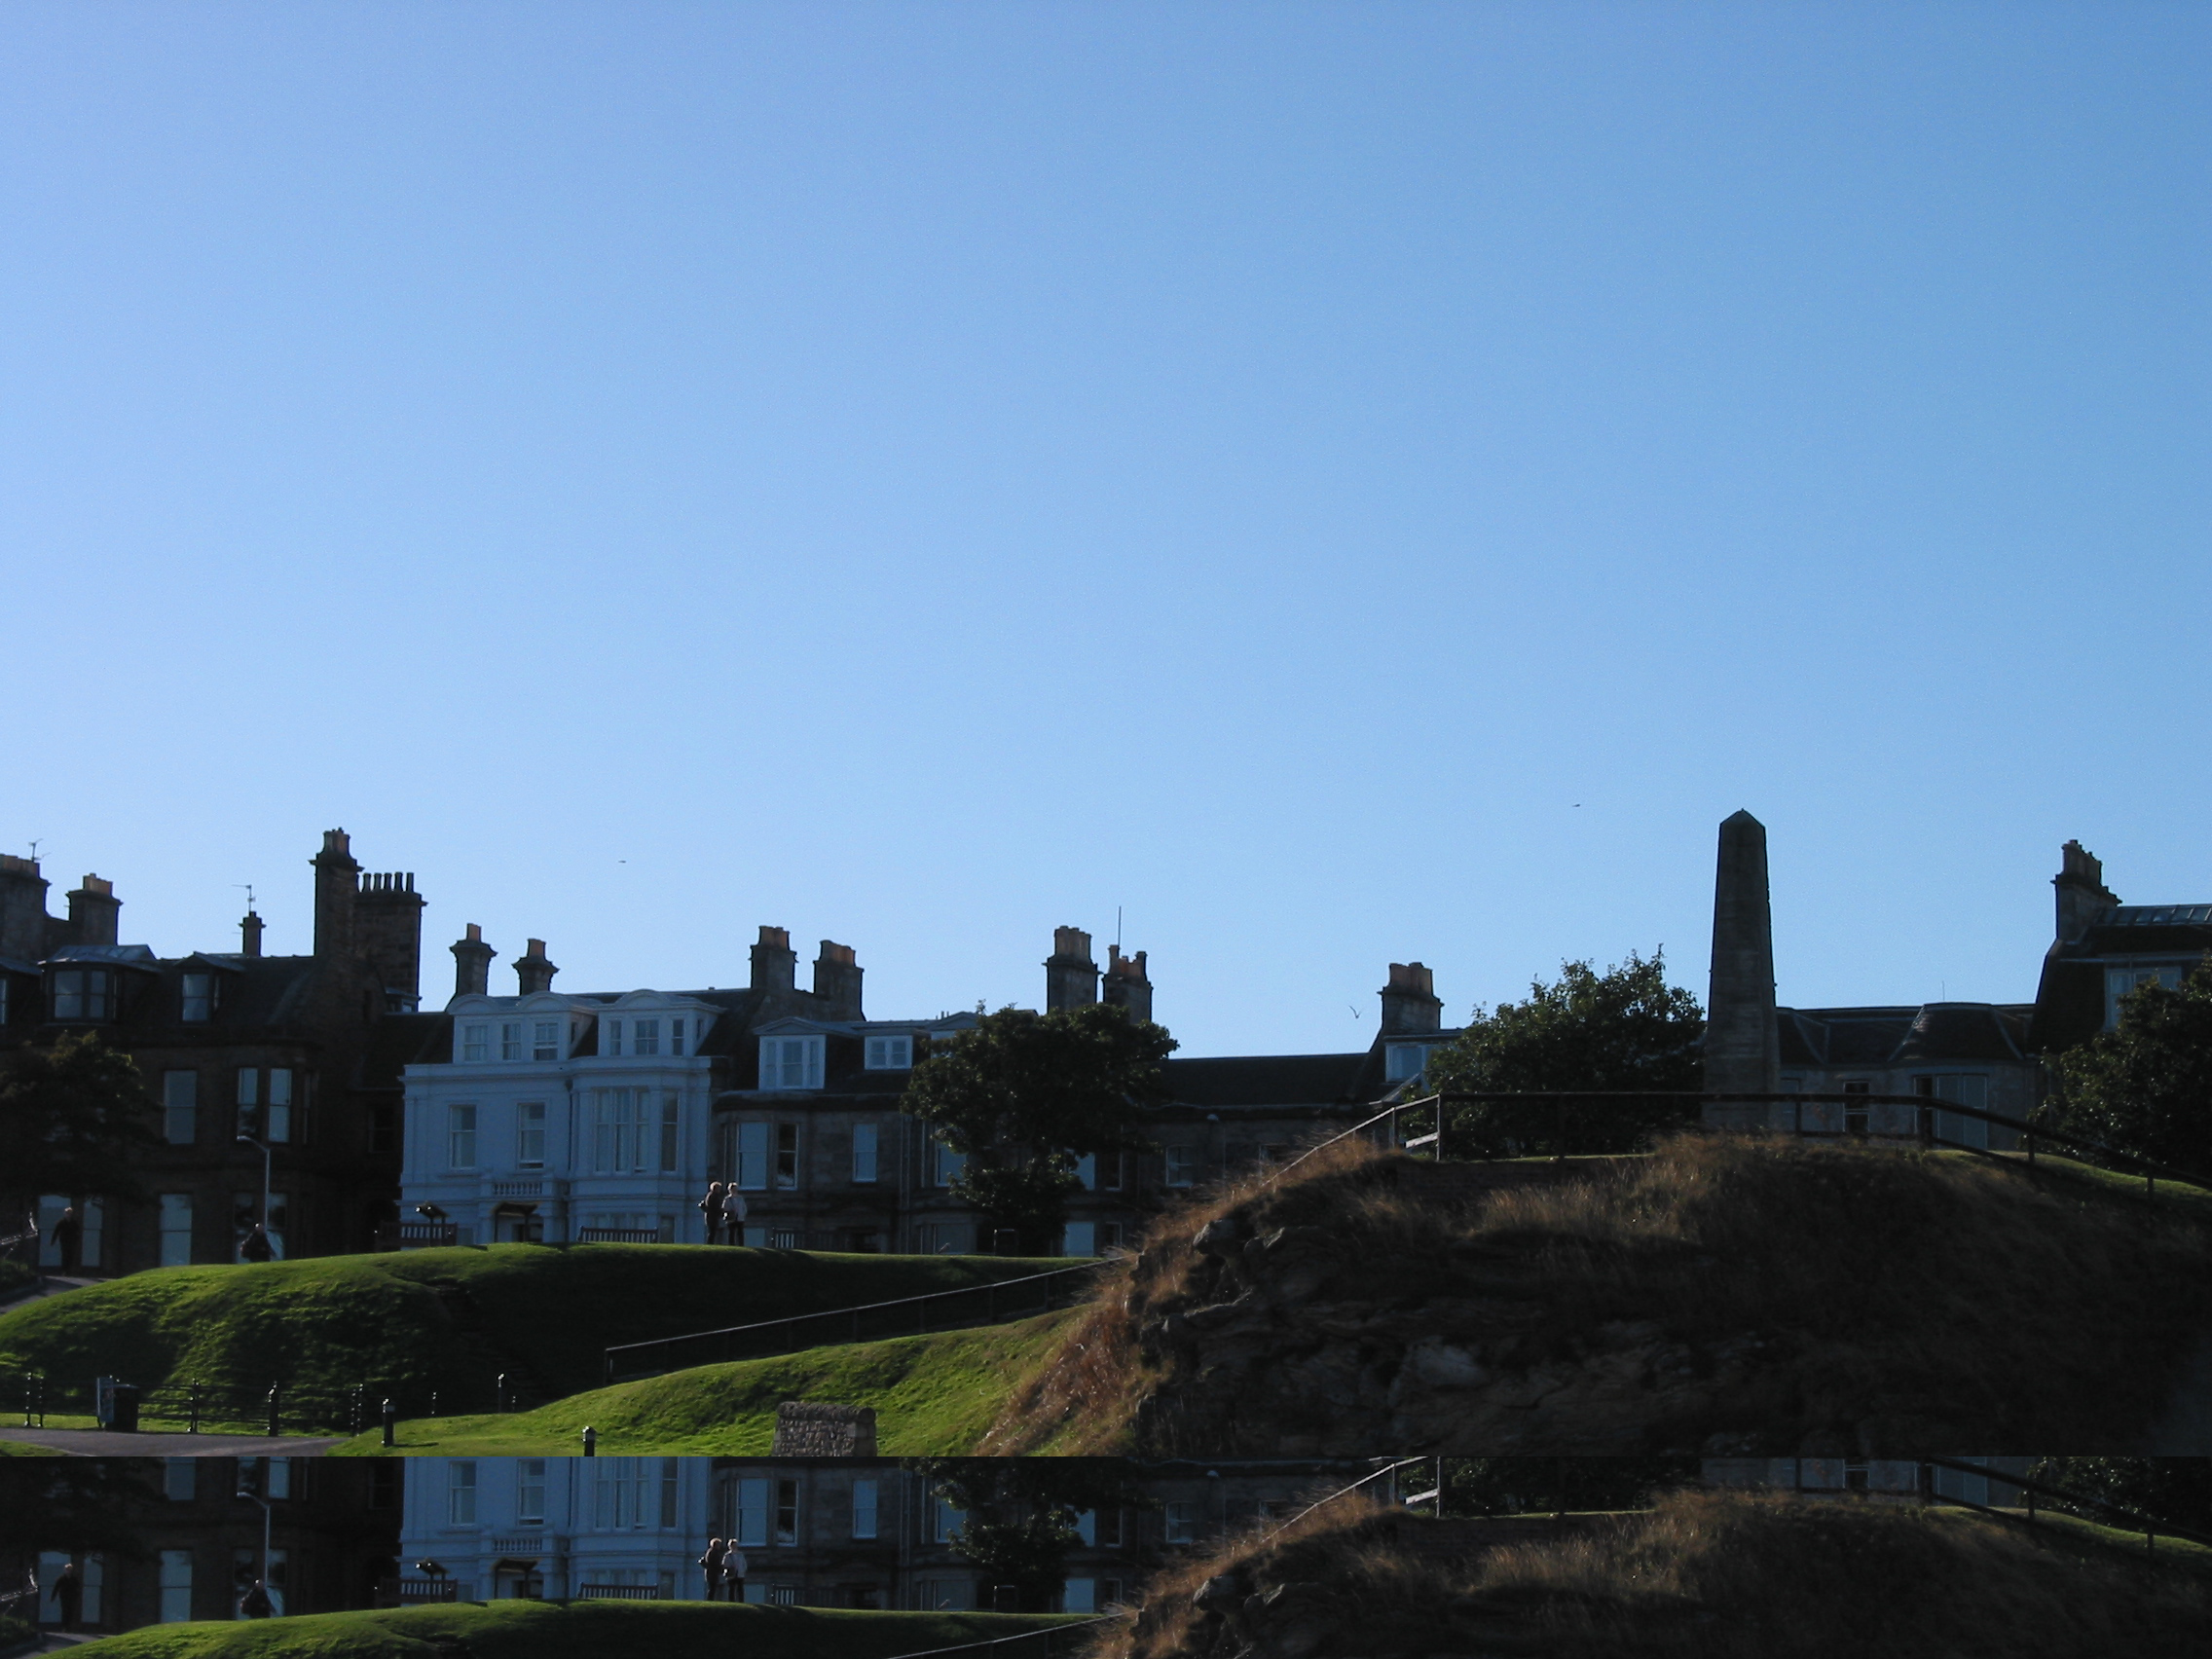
x=249 y=934
x=1126 y=983
x=775 y=964
x=472 y=965
x=533 y=973
x=837 y=980
x=2083 y=895
x=1410 y=1003
x=387 y=929
x=337 y=883
x=92 y=911
x=25 y=925
x=1071 y=976
x=1743 y=1044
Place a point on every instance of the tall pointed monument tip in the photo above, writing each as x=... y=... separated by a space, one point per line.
x=1742 y=815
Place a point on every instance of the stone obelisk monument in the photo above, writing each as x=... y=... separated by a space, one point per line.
x=1743 y=1045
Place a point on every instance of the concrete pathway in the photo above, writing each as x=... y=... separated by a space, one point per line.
x=54 y=1285
x=105 y=1443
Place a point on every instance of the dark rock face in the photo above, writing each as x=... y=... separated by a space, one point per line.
x=1291 y=1340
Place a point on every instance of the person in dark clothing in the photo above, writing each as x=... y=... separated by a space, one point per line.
x=256 y=1247
x=69 y=1594
x=711 y=1564
x=256 y=1603
x=66 y=1228
x=710 y=1209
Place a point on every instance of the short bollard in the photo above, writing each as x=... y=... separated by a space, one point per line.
x=275 y=1429
x=390 y=1422
x=591 y=1441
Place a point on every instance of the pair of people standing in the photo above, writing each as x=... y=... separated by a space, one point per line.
x=725 y=1211
x=725 y=1569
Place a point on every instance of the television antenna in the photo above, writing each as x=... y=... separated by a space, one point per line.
x=248 y=886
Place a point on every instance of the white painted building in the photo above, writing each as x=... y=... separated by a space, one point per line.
x=552 y=1527
x=562 y=1117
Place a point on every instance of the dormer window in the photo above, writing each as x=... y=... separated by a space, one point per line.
x=891 y=1053
x=791 y=1062
x=475 y=1042
x=676 y=1036
x=644 y=1037
x=1404 y=1060
x=199 y=998
x=82 y=993
x=614 y=1042
x=510 y=1040
x=545 y=1040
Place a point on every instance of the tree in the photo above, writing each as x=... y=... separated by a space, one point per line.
x=2146 y=1085
x=2176 y=1490
x=1019 y=1515
x=70 y=1117
x=1623 y=1029
x=1024 y=1093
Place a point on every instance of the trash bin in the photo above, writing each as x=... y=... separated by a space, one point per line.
x=123 y=1408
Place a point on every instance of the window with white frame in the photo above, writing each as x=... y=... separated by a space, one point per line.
x=529 y=1489
x=631 y=1493
x=767 y=1512
x=610 y=1042
x=644 y=1037
x=475 y=1042
x=545 y=1040
x=945 y=1163
x=1182 y=1523
x=864 y=1137
x=865 y=1494
x=1182 y=1165
x=461 y=1492
x=891 y=1052
x=81 y=993
x=180 y=1107
x=676 y=1037
x=460 y=1137
x=670 y=1122
x=511 y=1039
x=791 y=1062
x=530 y=1134
x=199 y=998
x=249 y=1101
x=787 y=1157
x=633 y=1131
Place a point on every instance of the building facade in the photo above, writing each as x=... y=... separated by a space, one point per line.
x=864 y=1533
x=231 y=1044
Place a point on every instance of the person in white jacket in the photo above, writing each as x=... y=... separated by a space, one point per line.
x=733 y=1214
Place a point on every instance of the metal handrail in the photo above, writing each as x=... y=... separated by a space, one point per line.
x=1925 y=1104
x=2027 y=1482
x=1049 y=1280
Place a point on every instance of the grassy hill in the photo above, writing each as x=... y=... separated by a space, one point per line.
x=933 y=1395
x=452 y=1320
x=587 y=1630
x=1726 y=1293
x=1703 y=1576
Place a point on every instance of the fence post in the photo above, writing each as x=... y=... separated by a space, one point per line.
x=275 y=1427
x=500 y=1393
x=191 y=1412
x=390 y=1422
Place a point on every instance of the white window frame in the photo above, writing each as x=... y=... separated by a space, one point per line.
x=530 y=1479
x=890 y=1051
x=866 y=1153
x=1182 y=1165
x=644 y=1037
x=544 y=1039
x=754 y=1142
x=473 y=1042
x=461 y=1492
x=197 y=1004
x=460 y=1135
x=277 y=1121
x=788 y=1064
x=530 y=1134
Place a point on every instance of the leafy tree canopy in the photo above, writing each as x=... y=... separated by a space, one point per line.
x=1623 y=1029
x=70 y=1117
x=2146 y=1086
x=1022 y=1513
x=1024 y=1093
x=2177 y=1490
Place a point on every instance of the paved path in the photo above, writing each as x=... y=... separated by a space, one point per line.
x=54 y=1285
x=104 y=1442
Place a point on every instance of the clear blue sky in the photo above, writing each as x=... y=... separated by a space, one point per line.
x=1345 y=483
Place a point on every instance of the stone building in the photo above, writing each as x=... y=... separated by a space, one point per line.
x=821 y=1533
x=229 y=1042
x=1891 y=1479
x=196 y=1538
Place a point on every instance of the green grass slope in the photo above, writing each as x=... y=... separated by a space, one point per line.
x=587 y=1630
x=933 y=1395
x=447 y=1320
